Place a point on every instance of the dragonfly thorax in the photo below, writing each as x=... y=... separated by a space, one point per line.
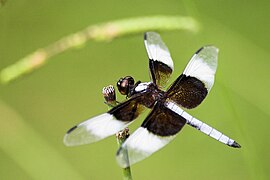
x=125 y=84
x=150 y=92
x=142 y=87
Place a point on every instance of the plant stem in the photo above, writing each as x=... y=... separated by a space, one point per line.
x=101 y=32
x=121 y=136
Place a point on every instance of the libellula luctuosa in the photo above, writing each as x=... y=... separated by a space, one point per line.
x=167 y=116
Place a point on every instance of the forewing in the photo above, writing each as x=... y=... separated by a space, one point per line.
x=160 y=61
x=203 y=65
x=191 y=87
x=104 y=125
x=157 y=130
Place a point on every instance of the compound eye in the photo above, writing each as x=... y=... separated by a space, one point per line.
x=130 y=80
x=124 y=84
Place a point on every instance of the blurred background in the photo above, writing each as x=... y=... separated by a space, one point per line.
x=37 y=110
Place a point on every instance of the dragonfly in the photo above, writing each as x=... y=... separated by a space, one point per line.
x=167 y=116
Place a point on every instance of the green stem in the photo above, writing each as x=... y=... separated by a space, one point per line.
x=101 y=32
x=121 y=136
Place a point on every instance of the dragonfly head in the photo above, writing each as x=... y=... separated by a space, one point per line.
x=125 y=85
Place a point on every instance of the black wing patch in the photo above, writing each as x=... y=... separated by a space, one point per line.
x=163 y=122
x=160 y=72
x=128 y=110
x=158 y=129
x=187 y=91
x=160 y=61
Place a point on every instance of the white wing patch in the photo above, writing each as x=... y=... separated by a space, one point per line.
x=93 y=130
x=156 y=49
x=140 y=145
x=203 y=65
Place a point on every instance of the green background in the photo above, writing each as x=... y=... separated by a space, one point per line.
x=36 y=110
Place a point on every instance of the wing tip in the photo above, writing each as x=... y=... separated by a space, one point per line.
x=153 y=33
x=71 y=129
x=145 y=36
x=199 y=50
x=212 y=47
x=66 y=141
x=66 y=137
x=207 y=47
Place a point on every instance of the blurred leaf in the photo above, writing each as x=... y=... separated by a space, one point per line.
x=2 y=3
x=30 y=151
